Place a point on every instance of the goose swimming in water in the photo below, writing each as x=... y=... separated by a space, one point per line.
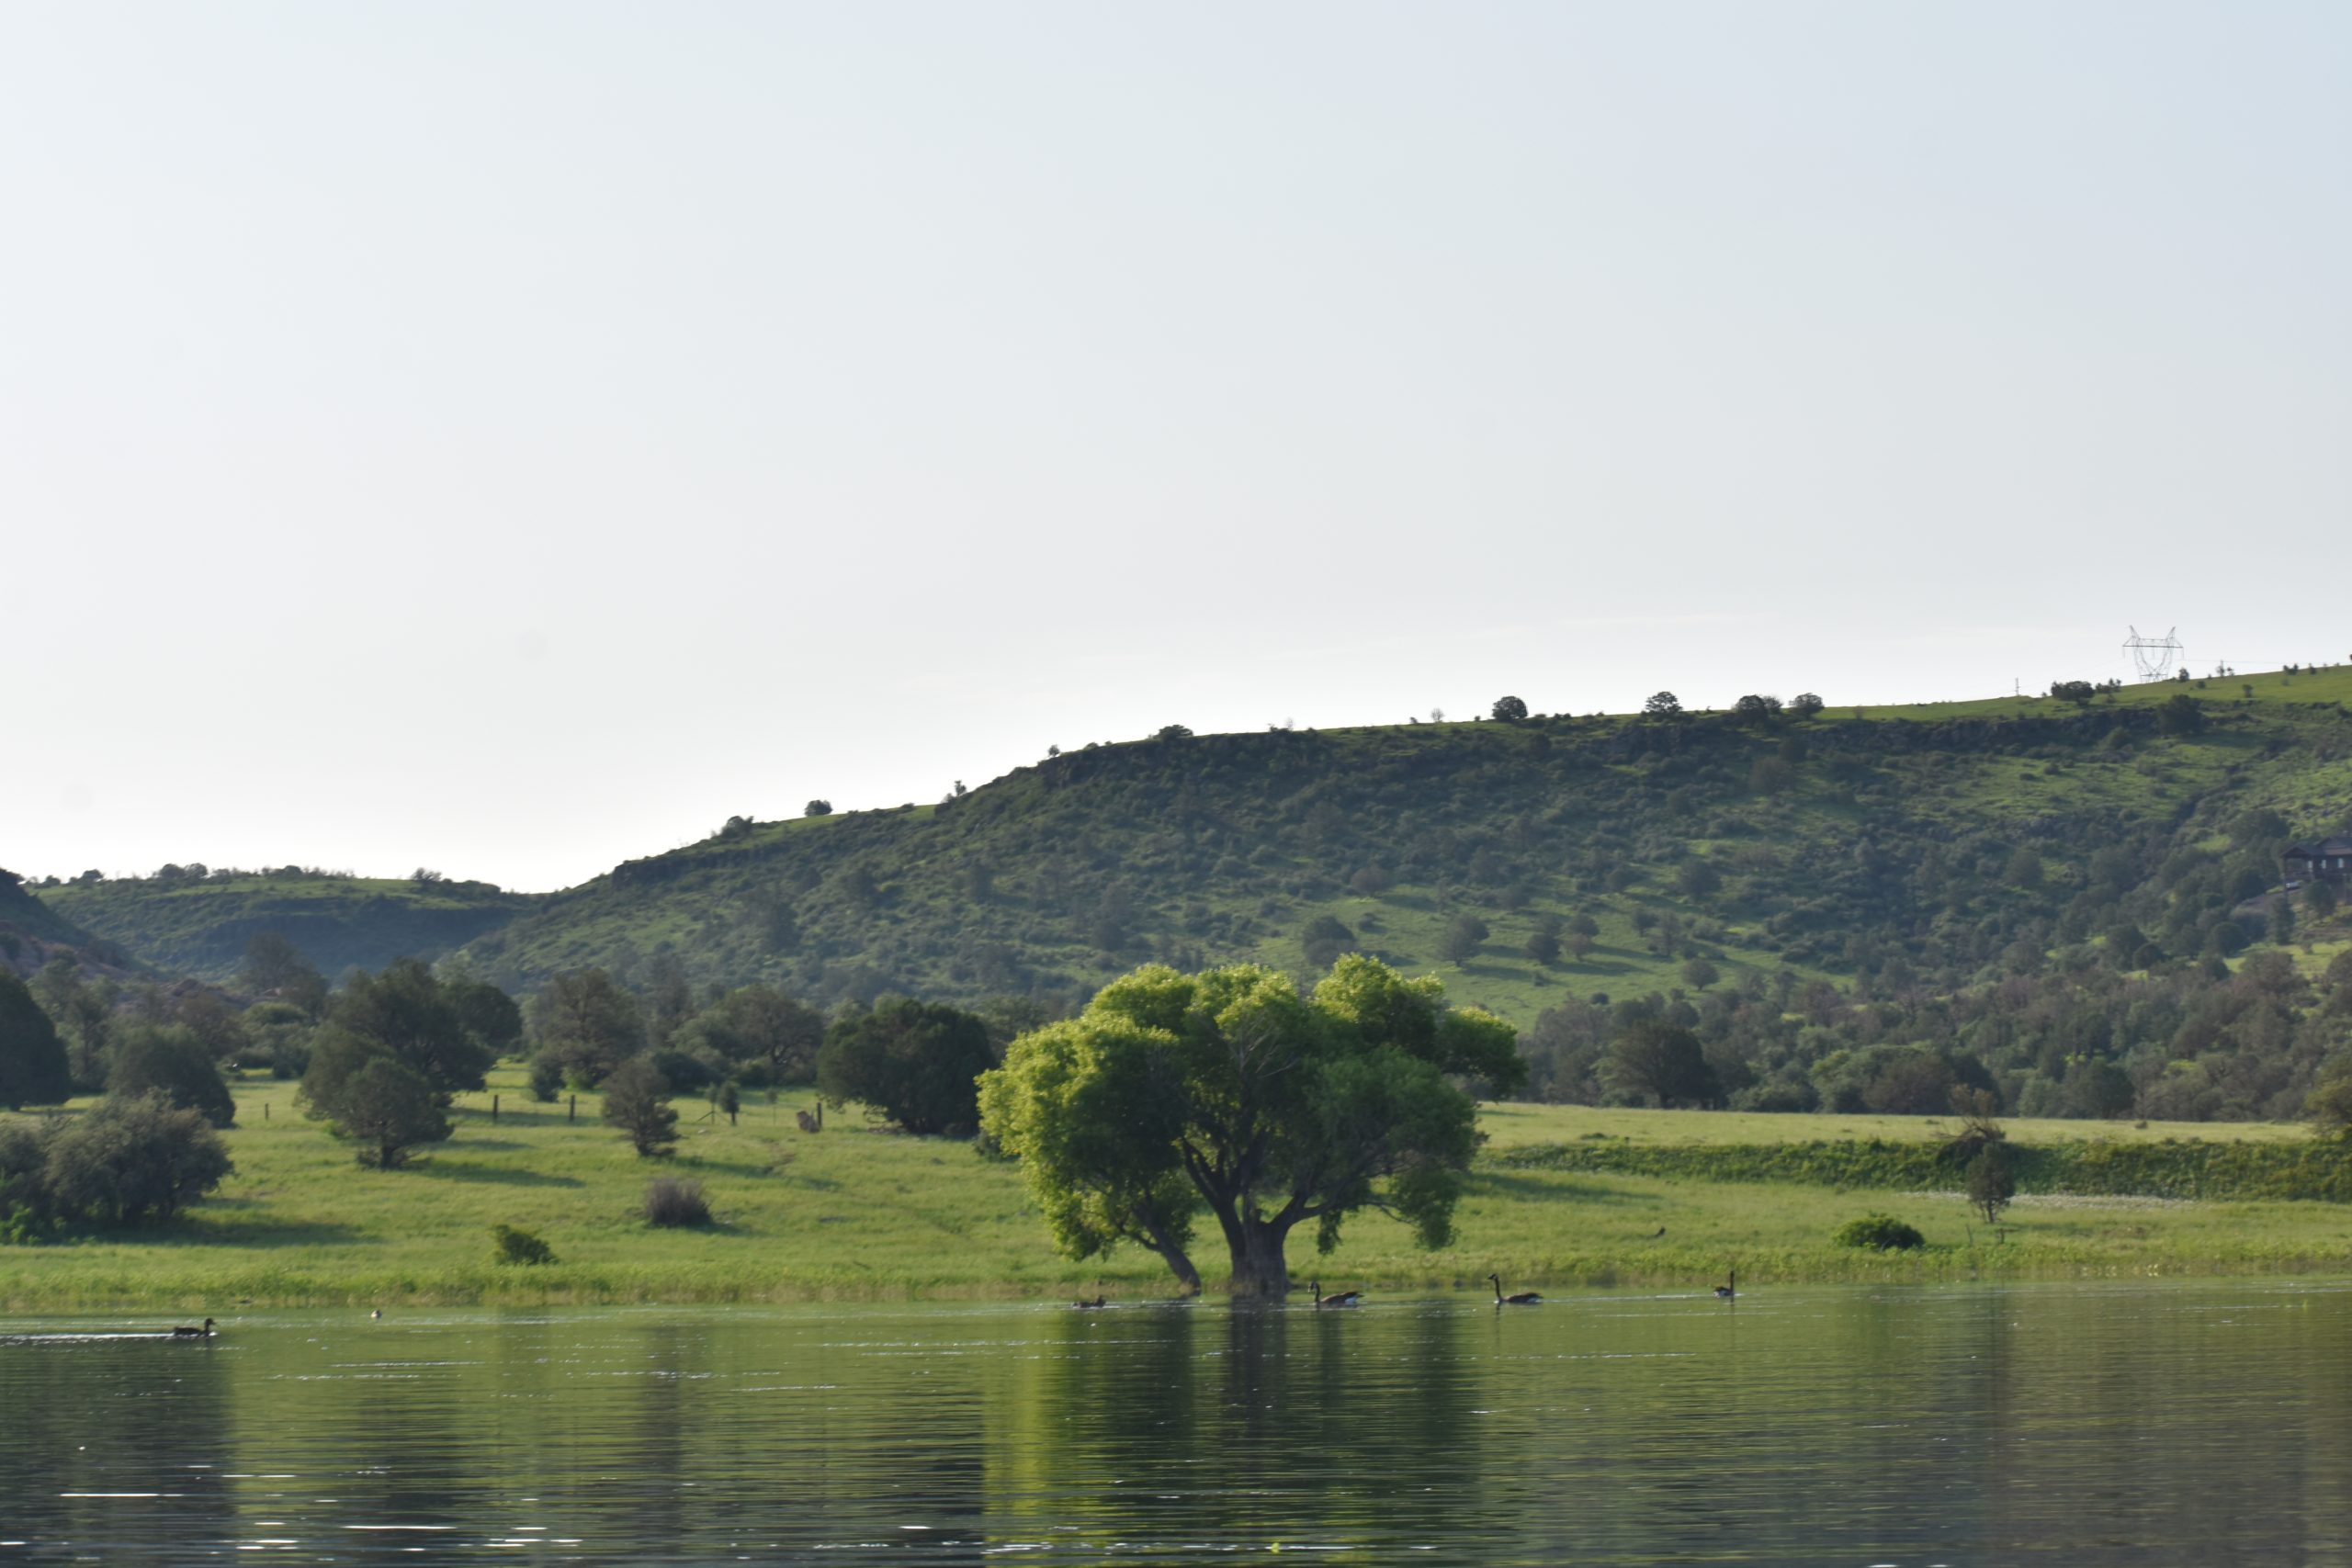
x=185 y=1332
x=1517 y=1298
x=1089 y=1306
x=1337 y=1298
x=1729 y=1287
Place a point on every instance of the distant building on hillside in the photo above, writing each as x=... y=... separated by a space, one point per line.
x=2329 y=860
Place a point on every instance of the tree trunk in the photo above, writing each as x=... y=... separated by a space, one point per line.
x=1188 y=1277
x=1259 y=1270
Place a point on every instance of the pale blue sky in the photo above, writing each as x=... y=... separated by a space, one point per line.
x=512 y=438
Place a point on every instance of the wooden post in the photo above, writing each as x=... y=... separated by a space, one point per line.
x=265 y=1110
x=494 y=1111
x=574 y=1114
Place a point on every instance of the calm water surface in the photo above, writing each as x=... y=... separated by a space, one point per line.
x=2163 y=1423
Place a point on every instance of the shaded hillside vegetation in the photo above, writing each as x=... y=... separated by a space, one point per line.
x=1527 y=862
x=194 y=921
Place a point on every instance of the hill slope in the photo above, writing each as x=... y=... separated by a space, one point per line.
x=1929 y=837
x=200 y=925
x=1914 y=844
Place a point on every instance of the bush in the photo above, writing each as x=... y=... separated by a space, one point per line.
x=670 y=1201
x=546 y=1078
x=1991 y=1183
x=32 y=1058
x=520 y=1247
x=127 y=1161
x=1883 y=1232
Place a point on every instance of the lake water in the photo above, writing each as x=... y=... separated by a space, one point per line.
x=2142 y=1424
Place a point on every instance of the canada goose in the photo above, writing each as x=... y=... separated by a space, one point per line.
x=1517 y=1298
x=1729 y=1287
x=1336 y=1299
x=185 y=1332
x=1089 y=1306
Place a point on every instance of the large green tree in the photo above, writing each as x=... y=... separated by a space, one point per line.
x=372 y=1096
x=414 y=1017
x=587 y=1024
x=917 y=1063
x=171 y=1060
x=1230 y=1093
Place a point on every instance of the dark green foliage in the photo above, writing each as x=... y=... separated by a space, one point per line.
x=33 y=1068
x=637 y=1101
x=546 y=1078
x=1805 y=705
x=1663 y=705
x=1882 y=1232
x=670 y=1201
x=369 y=1095
x=1463 y=936
x=588 y=1023
x=25 y=1213
x=126 y=1162
x=1656 y=1060
x=487 y=1013
x=2315 y=1171
x=917 y=1063
x=1991 y=1183
x=756 y=1032
x=817 y=808
x=2181 y=715
x=414 y=1018
x=1510 y=709
x=522 y=1247
x=170 y=1060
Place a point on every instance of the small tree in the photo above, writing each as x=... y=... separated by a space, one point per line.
x=818 y=808
x=1510 y=709
x=1463 y=935
x=1755 y=705
x=2181 y=715
x=637 y=1102
x=2329 y=1105
x=1663 y=705
x=1805 y=705
x=369 y=1095
x=1991 y=1182
x=1543 y=946
x=520 y=1247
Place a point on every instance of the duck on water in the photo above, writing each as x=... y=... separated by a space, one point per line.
x=186 y=1332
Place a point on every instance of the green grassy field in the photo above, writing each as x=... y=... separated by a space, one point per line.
x=853 y=1214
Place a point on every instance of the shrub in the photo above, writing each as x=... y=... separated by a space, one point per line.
x=32 y=1058
x=1883 y=1232
x=520 y=1247
x=127 y=1161
x=367 y=1094
x=1991 y=1183
x=546 y=1078
x=670 y=1201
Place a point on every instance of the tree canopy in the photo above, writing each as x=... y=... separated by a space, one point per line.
x=1229 y=1092
x=32 y=1059
x=915 y=1062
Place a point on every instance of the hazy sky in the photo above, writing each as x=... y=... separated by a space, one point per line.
x=513 y=438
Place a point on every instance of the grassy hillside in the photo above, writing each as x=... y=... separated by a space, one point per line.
x=200 y=925
x=1930 y=844
x=1809 y=846
x=853 y=1214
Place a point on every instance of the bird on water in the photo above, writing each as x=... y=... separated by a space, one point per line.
x=185 y=1332
x=1089 y=1306
x=1336 y=1299
x=1517 y=1298
x=1729 y=1287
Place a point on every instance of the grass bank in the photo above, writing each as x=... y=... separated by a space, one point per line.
x=853 y=1213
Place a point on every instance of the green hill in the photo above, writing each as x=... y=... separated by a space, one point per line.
x=199 y=925
x=1929 y=836
x=1929 y=847
x=30 y=932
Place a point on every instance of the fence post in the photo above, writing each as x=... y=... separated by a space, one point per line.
x=574 y=1114
x=494 y=1111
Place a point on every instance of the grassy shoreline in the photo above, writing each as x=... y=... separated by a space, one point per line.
x=854 y=1215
